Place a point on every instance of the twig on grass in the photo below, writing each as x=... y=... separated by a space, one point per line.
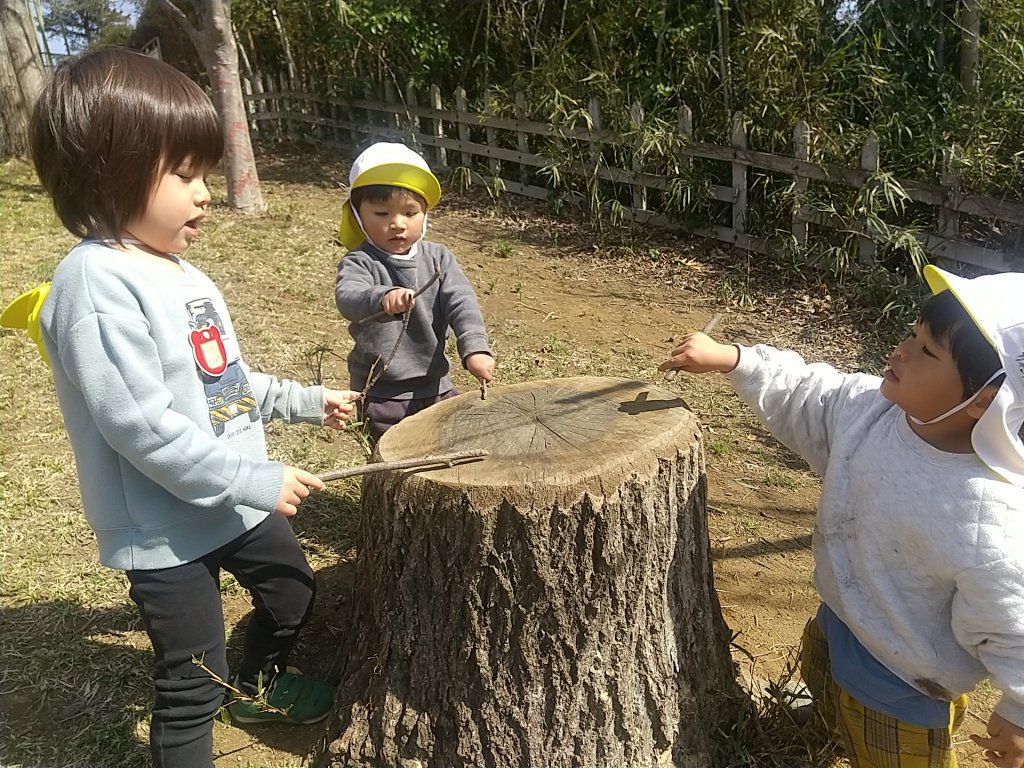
x=259 y=699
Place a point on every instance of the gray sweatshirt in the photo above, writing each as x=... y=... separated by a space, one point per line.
x=420 y=367
x=165 y=418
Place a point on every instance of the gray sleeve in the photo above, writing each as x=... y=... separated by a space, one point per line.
x=356 y=292
x=462 y=308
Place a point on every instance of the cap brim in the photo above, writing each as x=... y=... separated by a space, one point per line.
x=418 y=180
x=939 y=280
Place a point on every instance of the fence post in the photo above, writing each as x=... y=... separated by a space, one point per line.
x=411 y=102
x=391 y=119
x=273 y=106
x=869 y=161
x=636 y=116
x=492 y=136
x=317 y=107
x=440 y=153
x=355 y=136
x=260 y=101
x=684 y=126
x=802 y=152
x=949 y=217
x=594 y=110
x=250 y=105
x=522 y=143
x=461 y=108
x=286 y=104
x=739 y=179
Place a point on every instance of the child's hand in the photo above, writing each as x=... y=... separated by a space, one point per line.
x=1005 y=743
x=699 y=353
x=339 y=407
x=481 y=365
x=297 y=483
x=398 y=300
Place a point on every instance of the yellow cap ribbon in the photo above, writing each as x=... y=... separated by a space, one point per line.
x=23 y=314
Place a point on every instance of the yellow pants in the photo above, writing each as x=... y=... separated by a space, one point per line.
x=873 y=739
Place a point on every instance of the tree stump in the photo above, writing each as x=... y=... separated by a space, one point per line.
x=551 y=605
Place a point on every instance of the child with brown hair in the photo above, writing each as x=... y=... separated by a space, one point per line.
x=164 y=416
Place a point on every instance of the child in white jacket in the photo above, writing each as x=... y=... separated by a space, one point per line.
x=919 y=535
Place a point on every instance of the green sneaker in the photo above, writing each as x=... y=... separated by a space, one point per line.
x=295 y=699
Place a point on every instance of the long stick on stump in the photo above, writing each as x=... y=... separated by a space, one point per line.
x=426 y=463
x=549 y=605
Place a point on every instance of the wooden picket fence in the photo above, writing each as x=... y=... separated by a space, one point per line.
x=508 y=154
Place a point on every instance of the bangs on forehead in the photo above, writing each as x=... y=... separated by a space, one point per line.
x=192 y=132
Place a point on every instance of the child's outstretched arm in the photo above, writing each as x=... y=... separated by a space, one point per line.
x=796 y=401
x=699 y=353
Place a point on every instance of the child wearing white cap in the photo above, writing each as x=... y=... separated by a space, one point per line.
x=919 y=535
x=391 y=188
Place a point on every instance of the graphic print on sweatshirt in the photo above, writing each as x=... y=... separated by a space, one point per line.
x=228 y=394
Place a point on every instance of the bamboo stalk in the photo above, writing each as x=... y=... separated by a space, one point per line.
x=428 y=462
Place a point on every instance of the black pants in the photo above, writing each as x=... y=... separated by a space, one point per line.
x=182 y=612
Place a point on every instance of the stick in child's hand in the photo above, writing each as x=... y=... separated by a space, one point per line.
x=483 y=389
x=671 y=373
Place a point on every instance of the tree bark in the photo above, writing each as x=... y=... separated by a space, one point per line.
x=552 y=604
x=215 y=43
x=21 y=75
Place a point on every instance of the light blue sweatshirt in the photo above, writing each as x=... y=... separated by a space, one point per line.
x=165 y=418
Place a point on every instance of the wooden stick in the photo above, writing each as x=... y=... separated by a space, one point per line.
x=428 y=462
x=671 y=373
x=483 y=389
x=378 y=315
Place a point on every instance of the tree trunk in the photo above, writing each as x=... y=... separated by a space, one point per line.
x=552 y=604
x=215 y=44
x=21 y=75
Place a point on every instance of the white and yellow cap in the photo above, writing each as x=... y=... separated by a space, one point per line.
x=996 y=304
x=394 y=165
x=23 y=314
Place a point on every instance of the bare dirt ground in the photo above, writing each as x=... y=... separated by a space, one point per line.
x=561 y=298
